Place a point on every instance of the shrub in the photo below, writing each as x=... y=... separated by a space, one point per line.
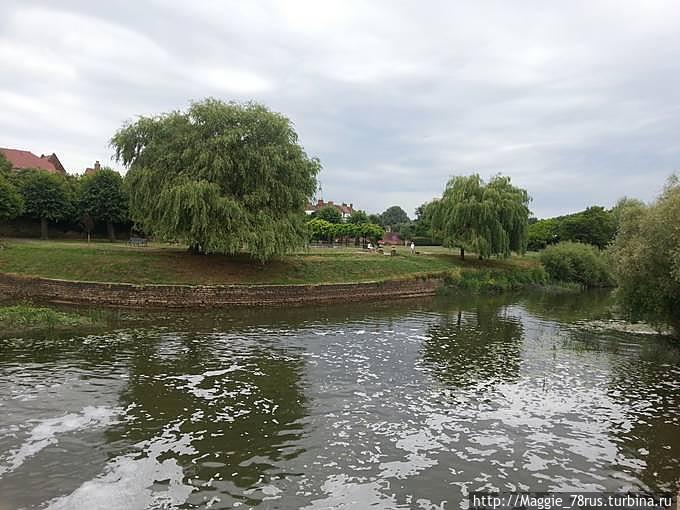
x=426 y=241
x=578 y=263
x=646 y=256
x=494 y=281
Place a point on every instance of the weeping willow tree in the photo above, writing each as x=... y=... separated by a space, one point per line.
x=222 y=177
x=487 y=218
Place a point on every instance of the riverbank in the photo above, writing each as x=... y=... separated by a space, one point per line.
x=162 y=276
x=163 y=264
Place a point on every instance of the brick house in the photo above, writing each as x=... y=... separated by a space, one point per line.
x=22 y=160
x=92 y=171
x=345 y=209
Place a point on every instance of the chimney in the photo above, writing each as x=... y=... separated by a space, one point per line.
x=97 y=166
x=351 y=206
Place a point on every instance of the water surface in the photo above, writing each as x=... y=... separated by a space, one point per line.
x=409 y=405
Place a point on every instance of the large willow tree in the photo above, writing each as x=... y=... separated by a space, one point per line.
x=222 y=177
x=487 y=218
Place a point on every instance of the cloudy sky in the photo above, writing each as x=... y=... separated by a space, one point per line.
x=579 y=102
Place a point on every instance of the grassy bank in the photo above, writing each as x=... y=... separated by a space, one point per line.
x=20 y=318
x=106 y=262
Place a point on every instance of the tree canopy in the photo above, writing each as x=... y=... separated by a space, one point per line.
x=646 y=256
x=375 y=219
x=5 y=165
x=487 y=218
x=326 y=231
x=329 y=213
x=358 y=217
x=595 y=226
x=11 y=203
x=102 y=197
x=394 y=216
x=223 y=177
x=46 y=196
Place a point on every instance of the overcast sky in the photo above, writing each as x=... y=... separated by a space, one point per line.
x=579 y=102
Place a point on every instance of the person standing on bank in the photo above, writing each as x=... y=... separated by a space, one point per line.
x=413 y=248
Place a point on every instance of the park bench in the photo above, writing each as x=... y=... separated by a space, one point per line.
x=138 y=241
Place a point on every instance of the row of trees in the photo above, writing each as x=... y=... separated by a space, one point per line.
x=595 y=225
x=322 y=230
x=48 y=197
x=393 y=217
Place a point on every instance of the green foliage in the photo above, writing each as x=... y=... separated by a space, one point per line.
x=622 y=205
x=420 y=229
x=102 y=196
x=46 y=196
x=375 y=219
x=5 y=165
x=541 y=233
x=578 y=263
x=222 y=177
x=487 y=218
x=426 y=241
x=11 y=203
x=492 y=281
x=323 y=230
x=393 y=216
x=646 y=255
x=330 y=214
x=23 y=317
x=595 y=226
x=372 y=231
x=358 y=217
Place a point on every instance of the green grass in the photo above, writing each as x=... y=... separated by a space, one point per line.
x=25 y=316
x=117 y=262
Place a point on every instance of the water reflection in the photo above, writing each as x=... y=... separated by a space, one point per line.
x=647 y=385
x=475 y=340
x=401 y=405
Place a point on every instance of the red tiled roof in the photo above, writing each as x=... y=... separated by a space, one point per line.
x=343 y=208
x=26 y=159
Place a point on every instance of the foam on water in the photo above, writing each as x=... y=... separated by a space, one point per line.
x=129 y=481
x=47 y=431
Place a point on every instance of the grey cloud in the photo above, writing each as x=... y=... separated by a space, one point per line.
x=578 y=101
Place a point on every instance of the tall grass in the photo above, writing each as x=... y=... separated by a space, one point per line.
x=26 y=316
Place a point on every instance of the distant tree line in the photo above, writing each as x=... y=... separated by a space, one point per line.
x=595 y=225
x=79 y=201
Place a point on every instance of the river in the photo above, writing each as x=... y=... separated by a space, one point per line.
x=407 y=405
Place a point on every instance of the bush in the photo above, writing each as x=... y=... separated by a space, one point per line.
x=646 y=256
x=494 y=281
x=426 y=241
x=578 y=263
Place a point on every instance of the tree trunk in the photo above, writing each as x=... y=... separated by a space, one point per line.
x=43 y=228
x=195 y=248
x=462 y=253
x=110 y=231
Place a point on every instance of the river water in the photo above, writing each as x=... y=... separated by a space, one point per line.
x=409 y=405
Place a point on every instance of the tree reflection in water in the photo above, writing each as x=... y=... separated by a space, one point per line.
x=475 y=341
x=237 y=400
